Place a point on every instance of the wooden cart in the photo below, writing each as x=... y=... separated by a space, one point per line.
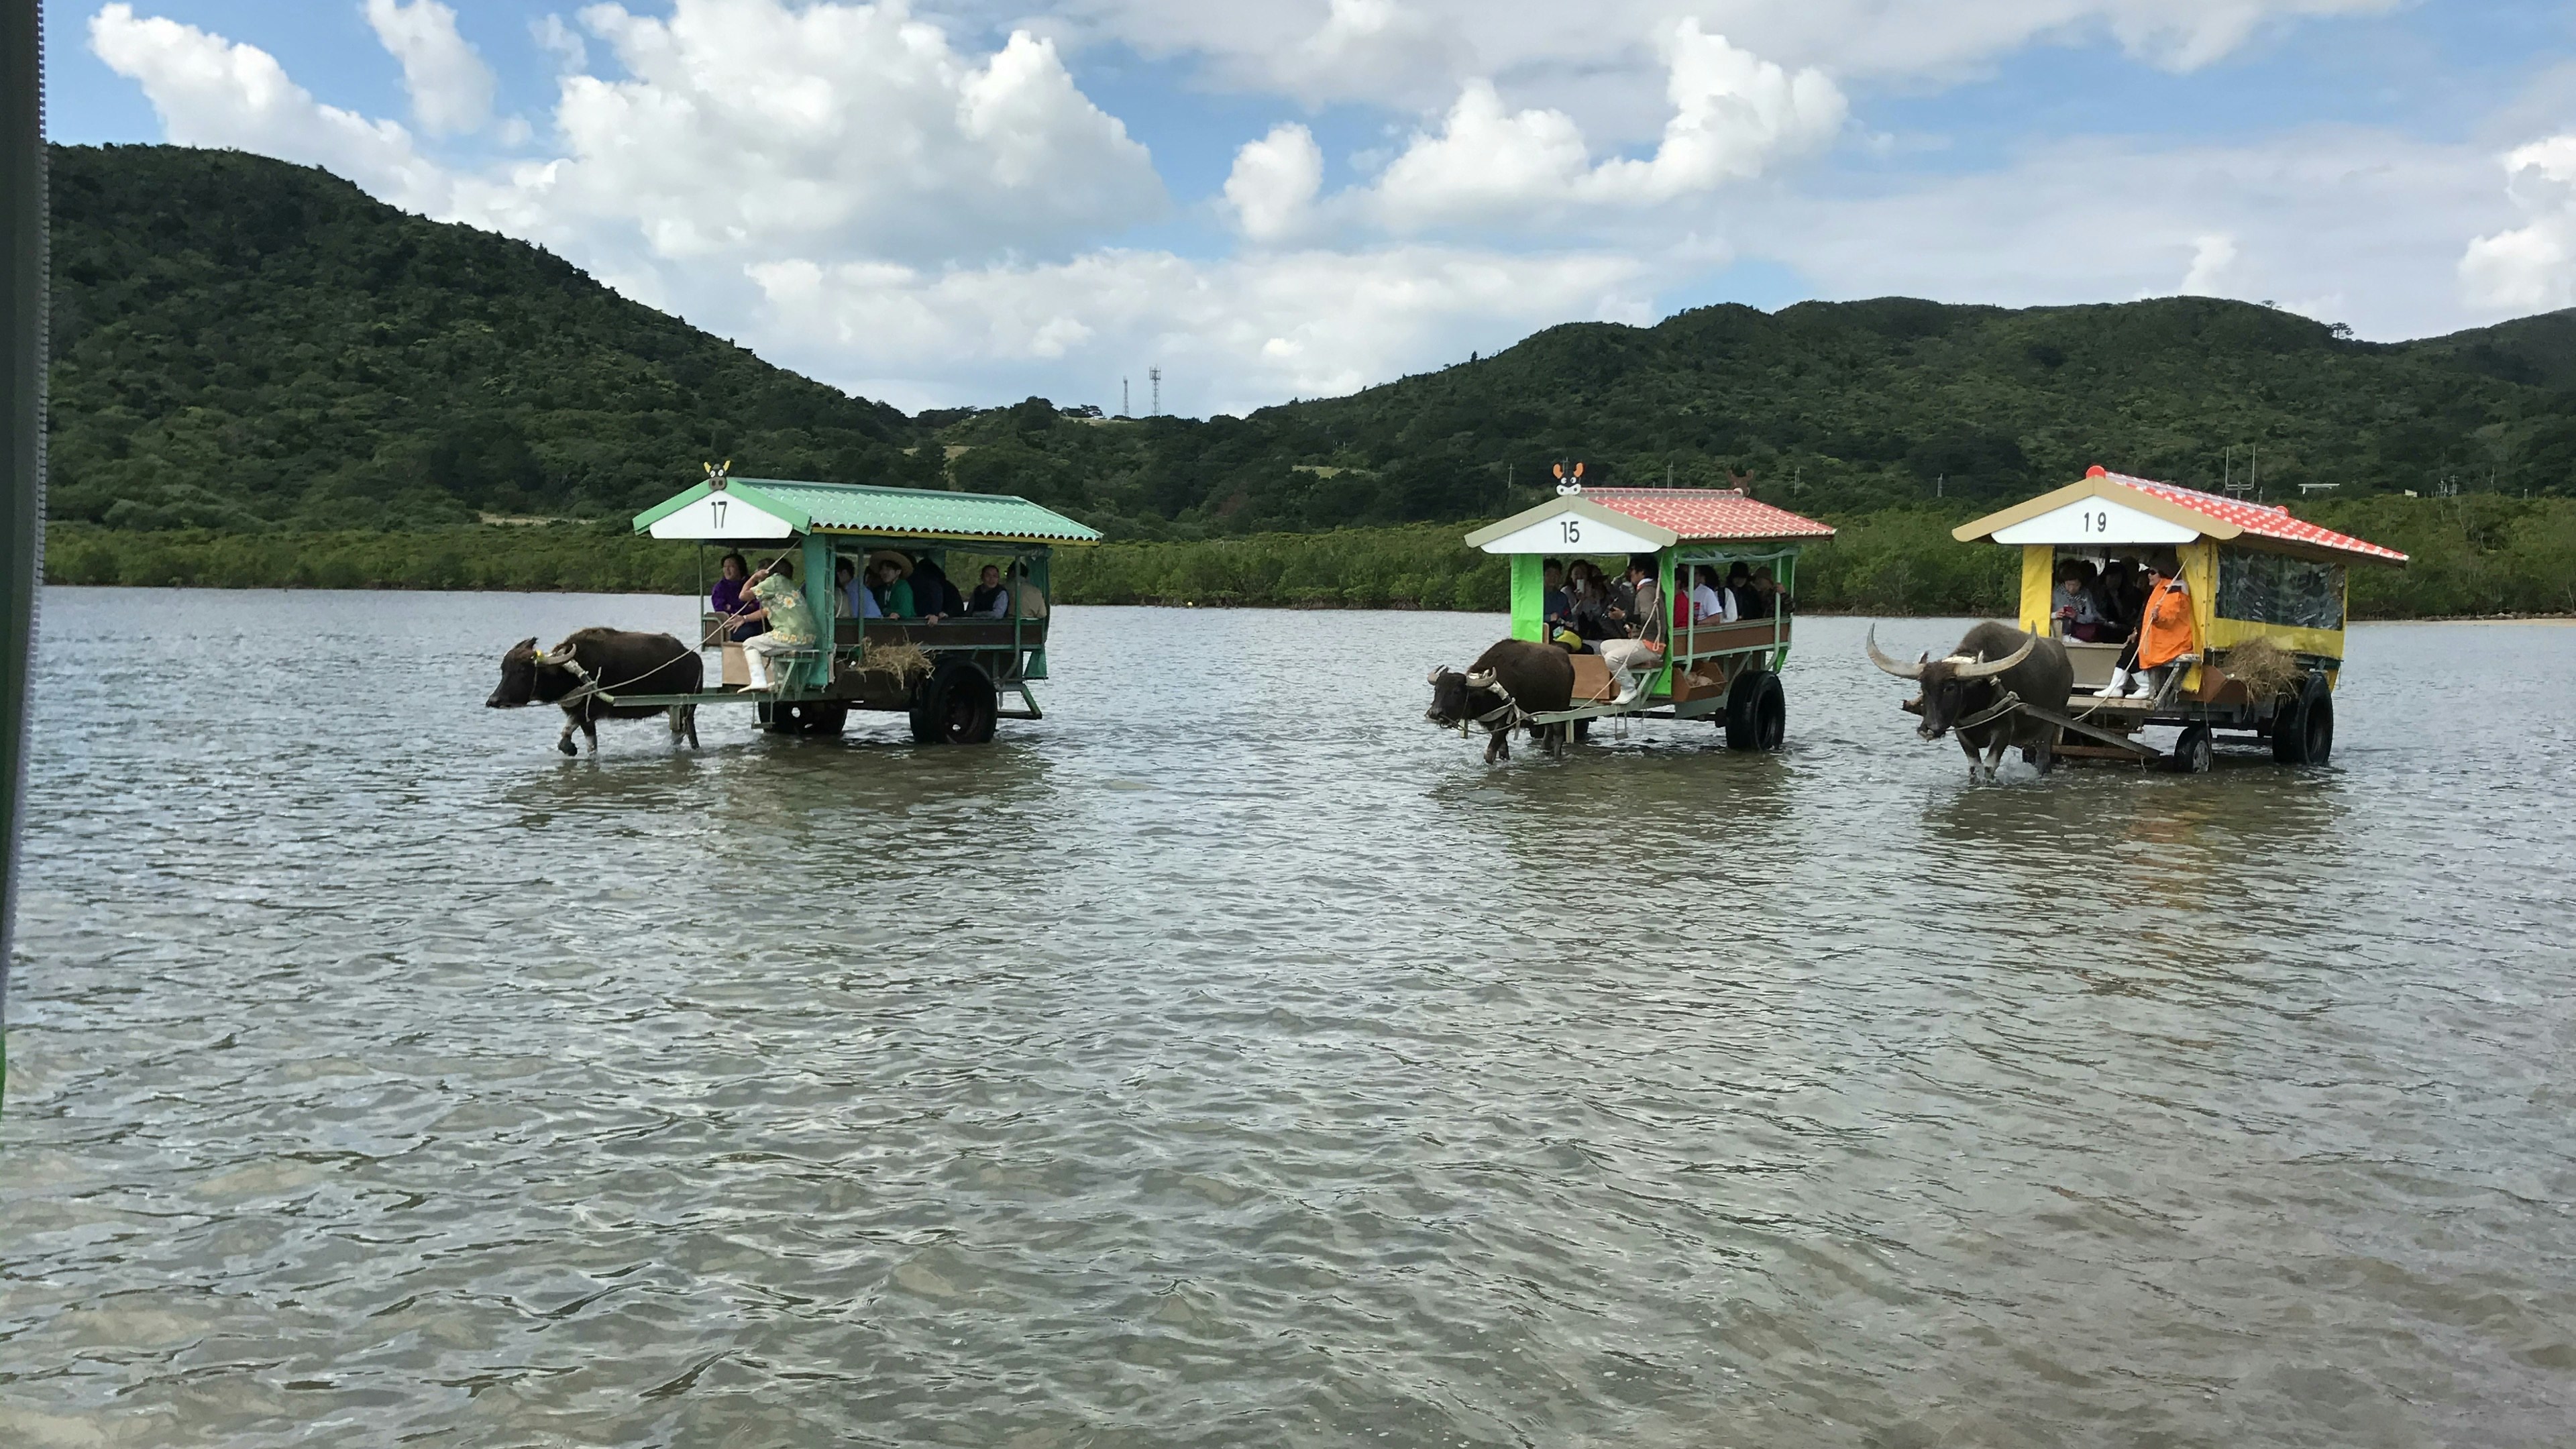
x=1729 y=672
x=952 y=688
x=2252 y=572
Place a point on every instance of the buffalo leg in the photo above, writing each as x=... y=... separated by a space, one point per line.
x=690 y=713
x=563 y=741
x=1995 y=756
x=590 y=732
x=1498 y=746
x=1973 y=760
x=2044 y=754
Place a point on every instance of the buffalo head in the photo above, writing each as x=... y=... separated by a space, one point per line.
x=528 y=677
x=1954 y=688
x=1459 y=698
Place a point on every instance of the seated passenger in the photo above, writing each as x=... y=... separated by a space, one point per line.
x=932 y=590
x=1707 y=604
x=1631 y=657
x=1740 y=592
x=2077 y=614
x=890 y=574
x=1026 y=596
x=1775 y=599
x=725 y=599
x=1555 y=606
x=990 y=599
x=852 y=599
x=777 y=602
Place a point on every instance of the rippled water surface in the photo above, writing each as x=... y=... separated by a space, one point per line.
x=1231 y=1058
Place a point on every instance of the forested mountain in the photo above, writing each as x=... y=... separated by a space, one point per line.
x=241 y=342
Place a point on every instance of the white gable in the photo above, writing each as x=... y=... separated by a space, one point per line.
x=2095 y=520
x=1571 y=532
x=721 y=516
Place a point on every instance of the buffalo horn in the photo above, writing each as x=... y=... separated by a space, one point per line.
x=1481 y=679
x=1900 y=670
x=1437 y=671
x=1982 y=670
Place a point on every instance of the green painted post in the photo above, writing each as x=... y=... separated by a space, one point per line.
x=816 y=564
x=1529 y=597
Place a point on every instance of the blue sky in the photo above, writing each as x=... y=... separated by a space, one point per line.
x=969 y=203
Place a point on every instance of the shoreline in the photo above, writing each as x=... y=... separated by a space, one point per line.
x=1310 y=607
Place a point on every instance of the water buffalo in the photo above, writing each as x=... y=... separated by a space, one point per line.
x=1992 y=661
x=591 y=660
x=1508 y=683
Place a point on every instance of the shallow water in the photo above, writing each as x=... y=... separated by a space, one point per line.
x=1232 y=1058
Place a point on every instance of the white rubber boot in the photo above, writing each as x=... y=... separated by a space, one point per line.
x=2118 y=686
x=2148 y=680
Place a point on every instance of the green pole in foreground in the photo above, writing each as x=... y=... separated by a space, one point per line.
x=22 y=428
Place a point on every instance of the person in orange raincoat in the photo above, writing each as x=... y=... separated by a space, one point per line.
x=2164 y=633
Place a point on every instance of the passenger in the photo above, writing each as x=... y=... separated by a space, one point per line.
x=725 y=599
x=2164 y=634
x=1707 y=603
x=1026 y=596
x=990 y=599
x=1594 y=616
x=890 y=574
x=1556 y=607
x=1775 y=599
x=1749 y=603
x=1629 y=657
x=933 y=592
x=2077 y=615
x=777 y=603
x=852 y=599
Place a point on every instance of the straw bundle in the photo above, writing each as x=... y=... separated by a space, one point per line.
x=2267 y=670
x=903 y=661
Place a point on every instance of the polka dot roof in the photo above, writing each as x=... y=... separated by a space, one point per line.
x=1708 y=513
x=2264 y=520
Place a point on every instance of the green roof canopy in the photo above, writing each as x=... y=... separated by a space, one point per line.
x=755 y=508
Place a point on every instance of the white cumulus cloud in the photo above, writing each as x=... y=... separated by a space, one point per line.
x=1274 y=181
x=2533 y=265
x=450 y=86
x=1733 y=114
x=1230 y=335
x=209 y=91
x=754 y=126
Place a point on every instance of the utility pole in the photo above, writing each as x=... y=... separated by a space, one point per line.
x=1155 y=375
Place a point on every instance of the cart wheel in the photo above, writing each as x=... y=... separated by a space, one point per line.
x=2191 y=753
x=956 y=705
x=826 y=717
x=2303 y=733
x=1757 y=713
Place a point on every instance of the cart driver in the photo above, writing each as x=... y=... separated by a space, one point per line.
x=1644 y=652
x=2163 y=637
x=791 y=624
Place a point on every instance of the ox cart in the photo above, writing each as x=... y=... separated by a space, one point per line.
x=2267 y=594
x=1723 y=671
x=949 y=677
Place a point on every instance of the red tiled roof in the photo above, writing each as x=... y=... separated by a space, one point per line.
x=1708 y=513
x=2263 y=520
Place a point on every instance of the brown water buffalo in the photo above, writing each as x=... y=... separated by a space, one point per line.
x=1508 y=683
x=1994 y=660
x=588 y=661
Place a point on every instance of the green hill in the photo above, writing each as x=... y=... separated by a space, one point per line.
x=240 y=342
x=245 y=344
